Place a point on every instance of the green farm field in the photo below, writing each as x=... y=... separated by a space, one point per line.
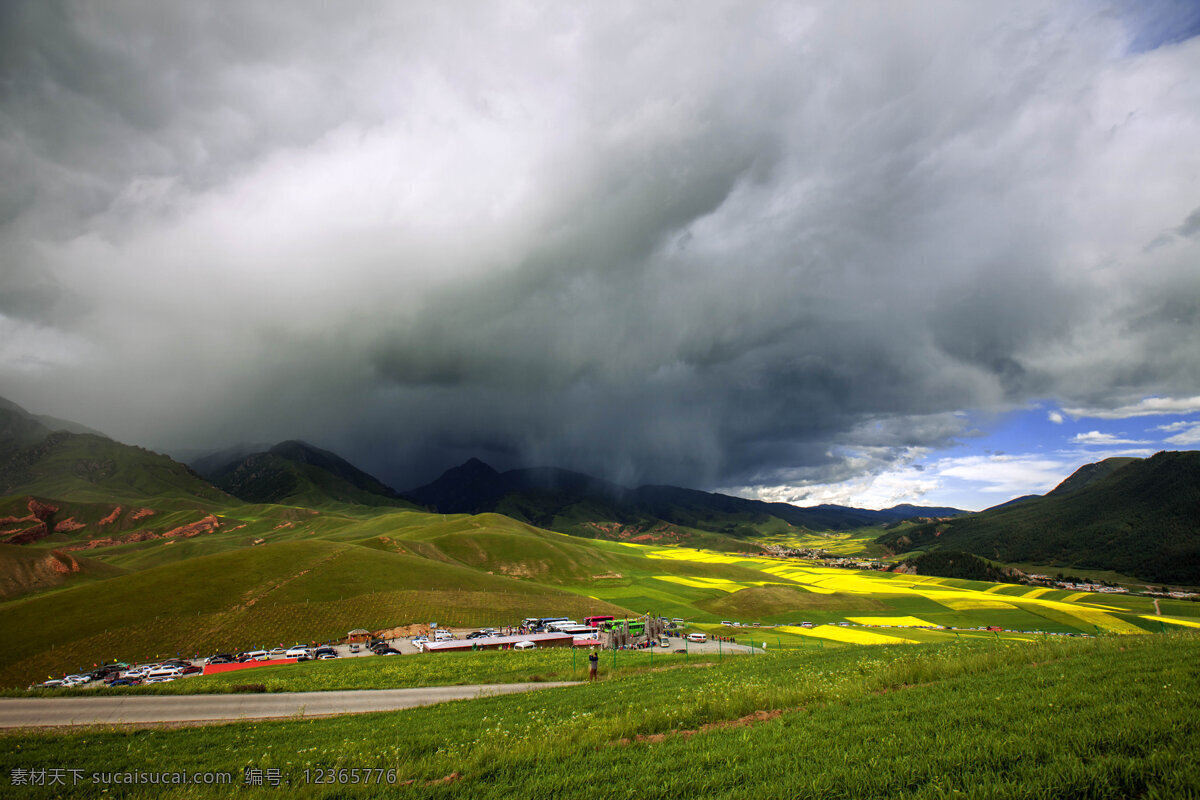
x=1110 y=717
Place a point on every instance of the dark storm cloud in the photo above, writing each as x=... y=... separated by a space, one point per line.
x=719 y=245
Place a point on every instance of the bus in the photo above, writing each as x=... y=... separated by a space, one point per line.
x=596 y=622
x=635 y=627
x=542 y=622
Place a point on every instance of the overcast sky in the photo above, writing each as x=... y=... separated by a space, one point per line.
x=832 y=252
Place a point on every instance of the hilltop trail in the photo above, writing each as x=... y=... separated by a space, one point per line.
x=1157 y=610
x=38 y=712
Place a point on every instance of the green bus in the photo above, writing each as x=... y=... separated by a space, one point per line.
x=636 y=627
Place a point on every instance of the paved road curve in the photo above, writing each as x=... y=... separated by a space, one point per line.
x=17 y=712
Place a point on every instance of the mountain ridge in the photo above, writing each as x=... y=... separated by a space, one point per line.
x=553 y=497
x=1138 y=517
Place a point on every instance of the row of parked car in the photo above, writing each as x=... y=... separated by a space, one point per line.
x=299 y=652
x=121 y=674
x=128 y=674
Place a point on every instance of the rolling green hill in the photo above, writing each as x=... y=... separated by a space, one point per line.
x=87 y=468
x=1138 y=517
x=291 y=591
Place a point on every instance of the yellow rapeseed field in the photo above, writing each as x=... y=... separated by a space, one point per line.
x=882 y=585
x=1189 y=623
x=846 y=635
x=891 y=621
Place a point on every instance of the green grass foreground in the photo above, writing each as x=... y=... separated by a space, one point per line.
x=1105 y=718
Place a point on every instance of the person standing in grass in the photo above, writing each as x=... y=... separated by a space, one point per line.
x=593 y=665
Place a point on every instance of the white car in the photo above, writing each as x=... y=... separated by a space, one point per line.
x=697 y=637
x=161 y=673
x=297 y=652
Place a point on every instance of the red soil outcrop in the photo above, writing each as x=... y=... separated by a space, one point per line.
x=44 y=514
x=62 y=563
x=206 y=525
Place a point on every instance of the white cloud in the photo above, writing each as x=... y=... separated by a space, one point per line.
x=1103 y=439
x=967 y=482
x=1187 y=437
x=1149 y=407
x=1055 y=417
x=1175 y=426
x=1011 y=475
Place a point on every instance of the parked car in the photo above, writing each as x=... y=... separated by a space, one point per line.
x=253 y=655
x=126 y=682
x=103 y=673
x=355 y=648
x=697 y=637
x=219 y=658
x=663 y=641
x=53 y=683
x=165 y=671
x=278 y=652
x=326 y=656
x=159 y=679
x=297 y=652
x=193 y=670
x=387 y=651
x=524 y=646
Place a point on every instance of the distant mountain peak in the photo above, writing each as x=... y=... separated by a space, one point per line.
x=296 y=471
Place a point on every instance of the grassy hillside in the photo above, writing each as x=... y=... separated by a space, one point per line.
x=29 y=570
x=92 y=469
x=268 y=595
x=1141 y=518
x=1079 y=718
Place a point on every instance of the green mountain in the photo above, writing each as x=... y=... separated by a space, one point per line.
x=1138 y=517
x=296 y=473
x=88 y=468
